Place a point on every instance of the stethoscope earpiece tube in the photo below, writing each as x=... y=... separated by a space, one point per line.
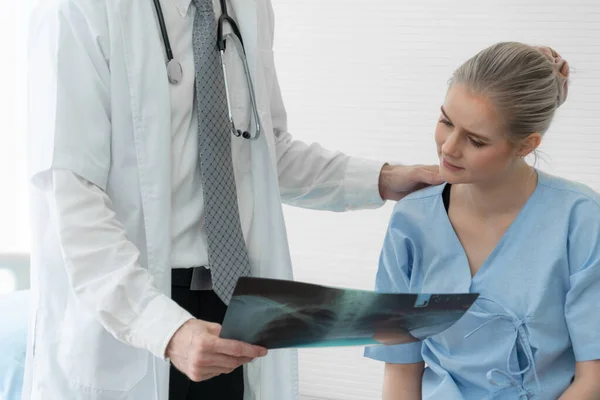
x=163 y=30
x=175 y=71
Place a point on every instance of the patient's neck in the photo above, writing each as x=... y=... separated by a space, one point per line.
x=503 y=196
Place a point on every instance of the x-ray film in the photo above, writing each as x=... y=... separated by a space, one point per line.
x=283 y=314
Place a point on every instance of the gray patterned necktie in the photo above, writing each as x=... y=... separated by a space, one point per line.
x=227 y=253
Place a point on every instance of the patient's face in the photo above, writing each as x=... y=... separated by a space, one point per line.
x=471 y=143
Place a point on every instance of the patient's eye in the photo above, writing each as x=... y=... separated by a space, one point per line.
x=476 y=143
x=446 y=122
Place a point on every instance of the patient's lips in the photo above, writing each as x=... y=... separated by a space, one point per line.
x=448 y=165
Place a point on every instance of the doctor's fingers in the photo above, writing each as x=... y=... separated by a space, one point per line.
x=427 y=174
x=214 y=344
x=214 y=365
x=223 y=363
x=201 y=374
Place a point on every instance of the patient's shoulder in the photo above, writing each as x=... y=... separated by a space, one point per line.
x=424 y=197
x=568 y=192
x=420 y=204
x=418 y=215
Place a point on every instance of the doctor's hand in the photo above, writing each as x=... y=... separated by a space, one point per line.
x=197 y=351
x=398 y=181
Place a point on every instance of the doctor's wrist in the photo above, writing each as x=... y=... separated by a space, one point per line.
x=384 y=180
x=182 y=337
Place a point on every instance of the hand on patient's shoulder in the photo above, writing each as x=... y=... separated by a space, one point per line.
x=398 y=181
x=197 y=350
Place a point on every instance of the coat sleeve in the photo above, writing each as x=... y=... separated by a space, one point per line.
x=68 y=83
x=70 y=162
x=313 y=177
x=103 y=267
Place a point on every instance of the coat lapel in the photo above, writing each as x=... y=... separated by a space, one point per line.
x=151 y=124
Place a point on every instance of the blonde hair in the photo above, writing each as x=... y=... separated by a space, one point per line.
x=526 y=84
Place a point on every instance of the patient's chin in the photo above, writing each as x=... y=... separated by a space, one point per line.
x=453 y=178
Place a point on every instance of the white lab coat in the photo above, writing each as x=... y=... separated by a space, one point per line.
x=99 y=100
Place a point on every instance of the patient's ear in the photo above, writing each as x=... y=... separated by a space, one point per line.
x=529 y=144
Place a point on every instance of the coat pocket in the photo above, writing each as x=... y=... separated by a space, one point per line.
x=92 y=358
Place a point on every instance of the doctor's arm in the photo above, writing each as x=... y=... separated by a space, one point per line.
x=313 y=177
x=103 y=265
x=104 y=270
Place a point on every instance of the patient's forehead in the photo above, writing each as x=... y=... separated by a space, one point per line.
x=472 y=111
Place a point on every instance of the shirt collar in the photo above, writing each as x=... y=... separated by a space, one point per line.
x=182 y=6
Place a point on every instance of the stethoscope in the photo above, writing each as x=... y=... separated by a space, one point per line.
x=175 y=71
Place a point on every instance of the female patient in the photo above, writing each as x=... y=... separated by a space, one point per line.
x=527 y=241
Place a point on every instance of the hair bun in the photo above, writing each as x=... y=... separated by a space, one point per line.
x=561 y=69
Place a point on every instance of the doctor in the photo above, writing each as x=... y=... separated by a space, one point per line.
x=147 y=208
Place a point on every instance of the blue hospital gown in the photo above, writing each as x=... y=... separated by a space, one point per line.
x=539 y=306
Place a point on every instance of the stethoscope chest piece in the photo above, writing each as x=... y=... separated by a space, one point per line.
x=174 y=71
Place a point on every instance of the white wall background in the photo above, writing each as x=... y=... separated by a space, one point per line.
x=14 y=225
x=368 y=78
x=14 y=229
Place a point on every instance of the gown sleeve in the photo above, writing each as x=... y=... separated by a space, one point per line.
x=582 y=304
x=394 y=276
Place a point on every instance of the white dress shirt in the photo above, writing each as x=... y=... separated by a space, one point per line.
x=189 y=246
